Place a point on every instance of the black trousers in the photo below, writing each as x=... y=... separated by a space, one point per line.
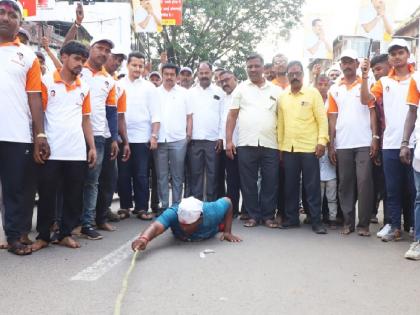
x=72 y=175
x=107 y=184
x=251 y=159
x=232 y=180
x=296 y=163
x=15 y=164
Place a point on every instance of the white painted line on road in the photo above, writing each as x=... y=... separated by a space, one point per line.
x=105 y=264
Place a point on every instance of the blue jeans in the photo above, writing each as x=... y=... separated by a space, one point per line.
x=398 y=177
x=133 y=175
x=417 y=208
x=90 y=189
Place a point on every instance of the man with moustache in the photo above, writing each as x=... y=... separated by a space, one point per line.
x=302 y=135
x=279 y=67
x=229 y=82
x=186 y=79
x=354 y=142
x=68 y=128
x=175 y=132
x=254 y=108
x=21 y=107
x=204 y=151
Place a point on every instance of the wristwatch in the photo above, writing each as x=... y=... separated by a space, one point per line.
x=154 y=135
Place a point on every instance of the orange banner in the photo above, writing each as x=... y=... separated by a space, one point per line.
x=171 y=12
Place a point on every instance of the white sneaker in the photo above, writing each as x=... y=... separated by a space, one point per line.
x=384 y=231
x=414 y=251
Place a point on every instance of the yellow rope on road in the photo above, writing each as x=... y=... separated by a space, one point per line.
x=118 y=303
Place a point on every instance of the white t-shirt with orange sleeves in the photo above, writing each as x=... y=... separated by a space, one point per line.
x=64 y=107
x=20 y=73
x=102 y=94
x=413 y=98
x=353 y=120
x=393 y=94
x=121 y=99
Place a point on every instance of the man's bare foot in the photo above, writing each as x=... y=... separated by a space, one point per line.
x=25 y=240
x=106 y=227
x=38 y=244
x=347 y=230
x=4 y=246
x=69 y=242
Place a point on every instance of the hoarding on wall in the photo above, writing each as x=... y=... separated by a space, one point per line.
x=150 y=15
x=147 y=16
x=171 y=12
x=45 y=4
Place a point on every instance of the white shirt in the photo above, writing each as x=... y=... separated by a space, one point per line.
x=142 y=108
x=174 y=108
x=321 y=53
x=394 y=96
x=413 y=98
x=20 y=74
x=228 y=103
x=257 y=114
x=64 y=107
x=353 y=120
x=207 y=107
x=102 y=94
x=327 y=170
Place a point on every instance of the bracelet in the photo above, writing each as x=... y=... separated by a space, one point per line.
x=376 y=137
x=41 y=135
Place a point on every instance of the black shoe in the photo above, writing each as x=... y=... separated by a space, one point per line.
x=289 y=225
x=319 y=229
x=91 y=234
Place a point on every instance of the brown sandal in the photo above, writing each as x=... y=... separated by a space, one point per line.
x=143 y=215
x=123 y=213
x=347 y=230
x=250 y=223
x=19 y=249
x=363 y=232
x=271 y=224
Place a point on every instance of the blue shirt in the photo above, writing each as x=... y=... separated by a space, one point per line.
x=213 y=214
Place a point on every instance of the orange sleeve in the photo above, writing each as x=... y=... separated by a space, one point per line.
x=122 y=103
x=33 y=77
x=378 y=91
x=413 y=96
x=112 y=97
x=44 y=95
x=332 y=105
x=86 y=105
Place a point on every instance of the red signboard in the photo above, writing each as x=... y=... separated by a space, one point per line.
x=171 y=12
x=29 y=7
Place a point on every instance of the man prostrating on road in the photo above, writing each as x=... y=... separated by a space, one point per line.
x=191 y=220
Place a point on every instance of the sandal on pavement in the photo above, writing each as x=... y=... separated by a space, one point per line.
x=143 y=215
x=4 y=246
x=271 y=224
x=363 y=232
x=19 y=249
x=250 y=223
x=347 y=230
x=123 y=213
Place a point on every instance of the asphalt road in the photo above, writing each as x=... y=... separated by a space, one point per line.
x=270 y=272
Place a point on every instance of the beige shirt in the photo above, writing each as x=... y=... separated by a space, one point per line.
x=257 y=118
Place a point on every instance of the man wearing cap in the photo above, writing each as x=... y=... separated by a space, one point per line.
x=23 y=36
x=192 y=220
x=109 y=172
x=354 y=143
x=143 y=124
x=155 y=78
x=186 y=77
x=392 y=91
x=408 y=157
x=204 y=151
x=20 y=108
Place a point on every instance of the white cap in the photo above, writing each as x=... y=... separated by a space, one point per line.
x=189 y=210
x=102 y=39
x=334 y=67
x=24 y=32
x=155 y=73
x=118 y=50
x=398 y=42
x=186 y=69
x=349 y=53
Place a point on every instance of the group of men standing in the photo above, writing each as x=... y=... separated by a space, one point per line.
x=93 y=134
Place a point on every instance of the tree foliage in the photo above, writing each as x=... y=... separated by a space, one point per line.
x=225 y=31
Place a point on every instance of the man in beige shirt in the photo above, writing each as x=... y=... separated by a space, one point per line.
x=254 y=106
